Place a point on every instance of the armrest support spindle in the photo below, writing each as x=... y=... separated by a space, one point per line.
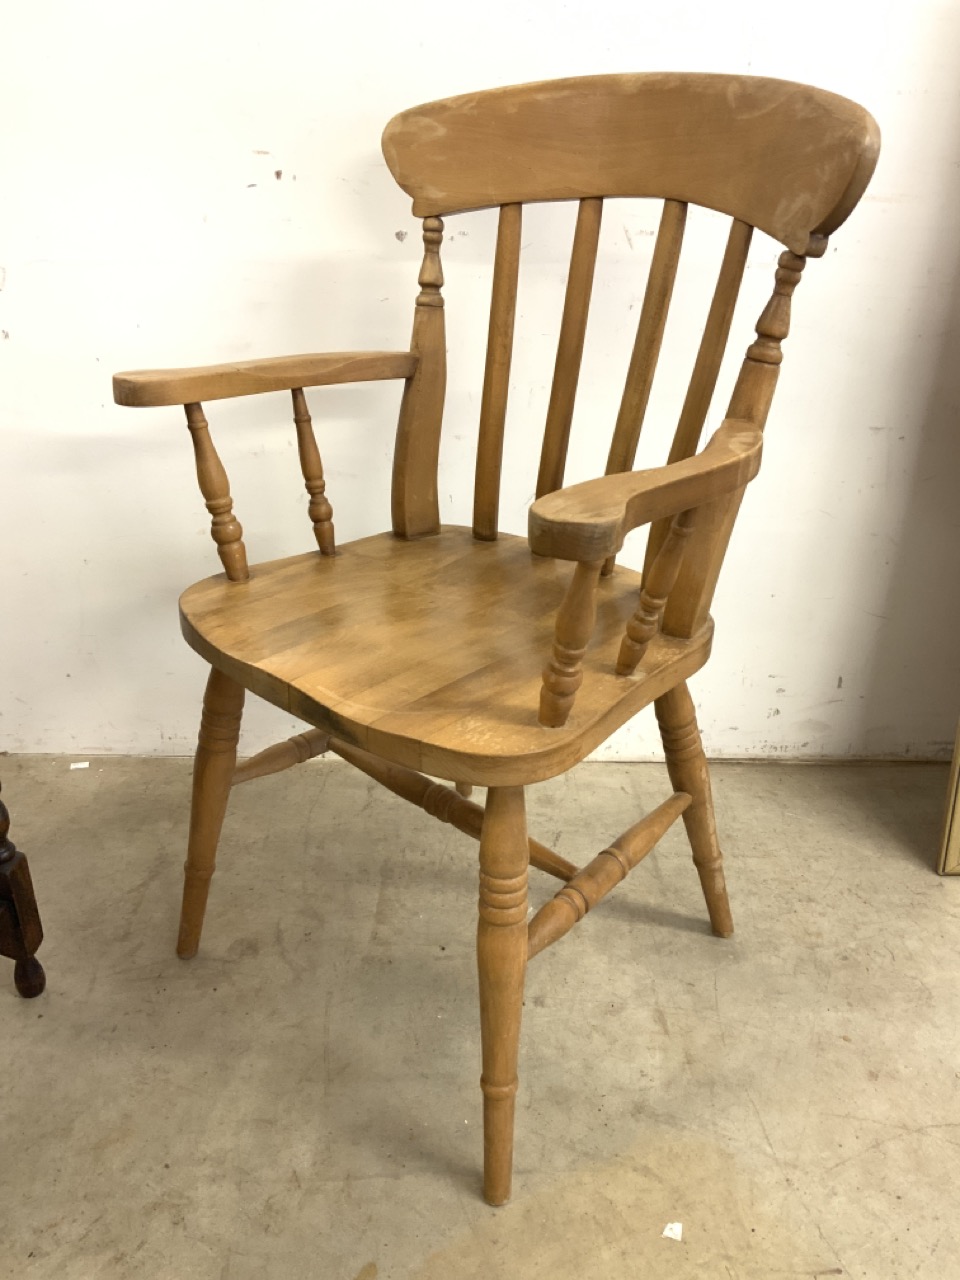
x=225 y=528
x=657 y=585
x=321 y=512
x=563 y=674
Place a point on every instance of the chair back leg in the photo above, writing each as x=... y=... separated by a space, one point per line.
x=688 y=770
x=502 y=963
x=213 y=768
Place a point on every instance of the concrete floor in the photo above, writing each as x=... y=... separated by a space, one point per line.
x=301 y=1101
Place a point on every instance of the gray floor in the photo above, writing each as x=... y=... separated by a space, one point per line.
x=301 y=1100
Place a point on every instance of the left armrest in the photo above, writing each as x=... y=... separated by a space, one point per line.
x=147 y=387
x=588 y=522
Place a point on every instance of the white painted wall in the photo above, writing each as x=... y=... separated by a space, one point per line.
x=141 y=224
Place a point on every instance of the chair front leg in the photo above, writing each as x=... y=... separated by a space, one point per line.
x=502 y=962
x=213 y=768
x=687 y=766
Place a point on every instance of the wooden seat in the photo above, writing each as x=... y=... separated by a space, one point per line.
x=339 y=641
x=485 y=658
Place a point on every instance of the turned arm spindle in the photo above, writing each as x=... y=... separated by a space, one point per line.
x=657 y=585
x=321 y=512
x=225 y=528
x=563 y=674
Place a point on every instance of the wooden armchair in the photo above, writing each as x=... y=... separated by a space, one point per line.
x=485 y=658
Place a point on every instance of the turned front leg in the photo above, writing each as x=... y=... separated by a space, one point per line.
x=502 y=962
x=213 y=768
x=687 y=766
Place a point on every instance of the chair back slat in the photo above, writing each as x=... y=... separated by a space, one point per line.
x=787 y=159
x=706 y=368
x=496 y=377
x=573 y=328
x=646 y=348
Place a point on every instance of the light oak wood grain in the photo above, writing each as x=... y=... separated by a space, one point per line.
x=144 y=387
x=589 y=521
x=594 y=881
x=419 y=654
x=784 y=157
x=690 y=601
x=658 y=581
x=225 y=528
x=282 y=755
x=706 y=369
x=646 y=347
x=319 y=510
x=687 y=766
x=563 y=674
x=444 y=803
x=414 y=501
x=340 y=642
x=496 y=377
x=502 y=963
x=213 y=770
x=573 y=330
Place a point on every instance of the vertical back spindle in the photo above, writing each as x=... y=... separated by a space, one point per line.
x=225 y=528
x=414 y=501
x=706 y=368
x=646 y=348
x=573 y=326
x=496 y=377
x=320 y=511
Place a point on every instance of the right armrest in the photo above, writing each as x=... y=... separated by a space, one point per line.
x=149 y=387
x=589 y=521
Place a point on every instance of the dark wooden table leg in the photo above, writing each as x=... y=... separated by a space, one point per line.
x=20 y=930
